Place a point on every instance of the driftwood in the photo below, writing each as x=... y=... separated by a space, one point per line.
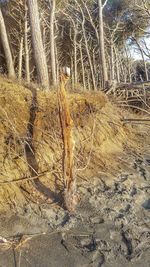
x=131 y=85
x=140 y=82
x=135 y=94
x=128 y=89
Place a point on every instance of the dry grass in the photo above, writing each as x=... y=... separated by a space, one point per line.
x=100 y=137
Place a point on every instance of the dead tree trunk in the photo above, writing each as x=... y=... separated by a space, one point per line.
x=70 y=196
x=39 y=53
x=88 y=53
x=6 y=47
x=117 y=56
x=82 y=65
x=112 y=60
x=52 y=42
x=26 y=46
x=20 y=59
x=101 y=43
x=87 y=46
x=75 y=55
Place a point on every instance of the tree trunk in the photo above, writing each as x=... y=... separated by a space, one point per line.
x=112 y=61
x=6 y=47
x=82 y=65
x=20 y=59
x=39 y=53
x=75 y=57
x=27 y=60
x=102 y=44
x=52 y=42
x=87 y=46
x=88 y=81
x=117 y=64
x=89 y=57
x=72 y=74
x=57 y=64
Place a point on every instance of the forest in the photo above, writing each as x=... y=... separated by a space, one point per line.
x=74 y=133
x=94 y=38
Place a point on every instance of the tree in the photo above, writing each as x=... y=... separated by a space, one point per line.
x=38 y=49
x=6 y=47
x=89 y=36
x=52 y=42
x=101 y=42
x=26 y=45
x=143 y=58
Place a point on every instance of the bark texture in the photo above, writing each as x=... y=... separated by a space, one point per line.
x=102 y=44
x=70 y=197
x=26 y=46
x=39 y=53
x=20 y=59
x=6 y=47
x=52 y=42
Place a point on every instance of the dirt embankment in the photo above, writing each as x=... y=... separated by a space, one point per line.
x=111 y=224
x=31 y=142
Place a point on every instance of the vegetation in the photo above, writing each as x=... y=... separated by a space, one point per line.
x=94 y=39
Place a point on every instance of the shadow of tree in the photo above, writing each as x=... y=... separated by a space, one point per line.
x=31 y=159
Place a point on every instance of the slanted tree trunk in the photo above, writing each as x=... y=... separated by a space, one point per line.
x=101 y=43
x=39 y=53
x=52 y=42
x=6 y=47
